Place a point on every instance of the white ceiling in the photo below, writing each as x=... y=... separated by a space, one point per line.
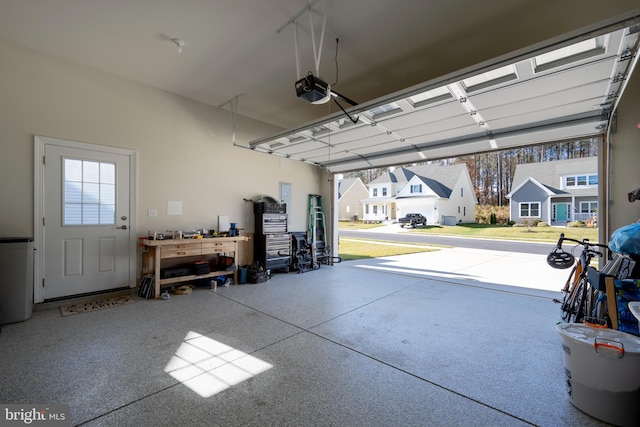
x=244 y=50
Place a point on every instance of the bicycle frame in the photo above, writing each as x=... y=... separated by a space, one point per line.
x=578 y=294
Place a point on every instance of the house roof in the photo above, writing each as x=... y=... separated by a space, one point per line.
x=549 y=174
x=545 y=188
x=345 y=184
x=443 y=176
x=440 y=179
x=385 y=178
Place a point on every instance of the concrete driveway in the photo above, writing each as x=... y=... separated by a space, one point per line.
x=510 y=271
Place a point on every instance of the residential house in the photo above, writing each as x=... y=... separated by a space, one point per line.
x=350 y=192
x=381 y=203
x=443 y=194
x=555 y=192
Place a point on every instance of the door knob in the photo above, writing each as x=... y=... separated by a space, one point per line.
x=124 y=227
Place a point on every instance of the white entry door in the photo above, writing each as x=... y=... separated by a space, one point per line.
x=86 y=221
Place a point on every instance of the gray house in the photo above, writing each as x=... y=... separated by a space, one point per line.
x=556 y=192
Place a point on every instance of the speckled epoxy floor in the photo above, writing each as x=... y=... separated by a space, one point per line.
x=347 y=345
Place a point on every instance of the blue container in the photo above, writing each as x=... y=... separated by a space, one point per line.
x=242 y=275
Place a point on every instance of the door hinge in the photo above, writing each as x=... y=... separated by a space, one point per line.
x=43 y=282
x=44 y=161
x=43 y=221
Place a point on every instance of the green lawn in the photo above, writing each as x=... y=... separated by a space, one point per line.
x=490 y=231
x=351 y=248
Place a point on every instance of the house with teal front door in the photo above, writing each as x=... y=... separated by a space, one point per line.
x=556 y=192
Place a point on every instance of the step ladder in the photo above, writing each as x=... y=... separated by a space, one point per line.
x=317 y=231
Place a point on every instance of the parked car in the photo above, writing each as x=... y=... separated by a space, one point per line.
x=413 y=220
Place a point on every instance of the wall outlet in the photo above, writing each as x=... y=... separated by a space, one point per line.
x=152 y=212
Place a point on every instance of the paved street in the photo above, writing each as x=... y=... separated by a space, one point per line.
x=394 y=232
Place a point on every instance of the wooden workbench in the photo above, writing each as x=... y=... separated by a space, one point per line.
x=162 y=251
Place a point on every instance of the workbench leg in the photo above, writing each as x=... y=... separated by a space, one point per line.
x=157 y=256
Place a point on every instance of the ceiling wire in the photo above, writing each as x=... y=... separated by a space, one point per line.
x=336 y=62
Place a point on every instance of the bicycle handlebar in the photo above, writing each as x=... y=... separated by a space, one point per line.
x=584 y=242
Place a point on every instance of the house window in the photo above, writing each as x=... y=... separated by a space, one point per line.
x=375 y=209
x=588 y=207
x=366 y=209
x=416 y=188
x=461 y=192
x=384 y=191
x=375 y=192
x=581 y=180
x=530 y=210
x=89 y=192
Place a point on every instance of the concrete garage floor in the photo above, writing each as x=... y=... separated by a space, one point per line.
x=434 y=339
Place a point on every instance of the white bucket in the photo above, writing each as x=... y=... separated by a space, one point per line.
x=602 y=368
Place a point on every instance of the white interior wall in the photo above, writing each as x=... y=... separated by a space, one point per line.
x=624 y=158
x=185 y=150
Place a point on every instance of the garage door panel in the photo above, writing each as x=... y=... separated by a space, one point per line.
x=581 y=99
x=570 y=82
x=354 y=132
x=444 y=113
x=561 y=113
x=463 y=133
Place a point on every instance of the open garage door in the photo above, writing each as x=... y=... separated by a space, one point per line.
x=565 y=91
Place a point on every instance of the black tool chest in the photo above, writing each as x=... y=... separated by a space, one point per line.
x=272 y=240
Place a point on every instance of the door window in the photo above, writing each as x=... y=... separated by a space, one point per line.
x=89 y=195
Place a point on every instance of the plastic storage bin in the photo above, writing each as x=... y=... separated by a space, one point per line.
x=602 y=372
x=16 y=286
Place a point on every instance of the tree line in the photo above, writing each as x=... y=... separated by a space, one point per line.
x=492 y=173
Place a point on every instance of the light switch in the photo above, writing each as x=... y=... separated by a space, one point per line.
x=152 y=212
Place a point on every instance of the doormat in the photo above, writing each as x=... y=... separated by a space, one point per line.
x=96 y=305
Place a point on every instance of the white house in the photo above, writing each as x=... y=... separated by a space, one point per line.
x=443 y=194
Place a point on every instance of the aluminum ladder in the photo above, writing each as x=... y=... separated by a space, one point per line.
x=316 y=231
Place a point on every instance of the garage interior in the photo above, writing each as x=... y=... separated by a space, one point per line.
x=219 y=122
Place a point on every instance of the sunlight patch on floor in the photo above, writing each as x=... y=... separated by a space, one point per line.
x=208 y=366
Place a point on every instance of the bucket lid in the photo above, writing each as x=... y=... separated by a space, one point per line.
x=587 y=335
